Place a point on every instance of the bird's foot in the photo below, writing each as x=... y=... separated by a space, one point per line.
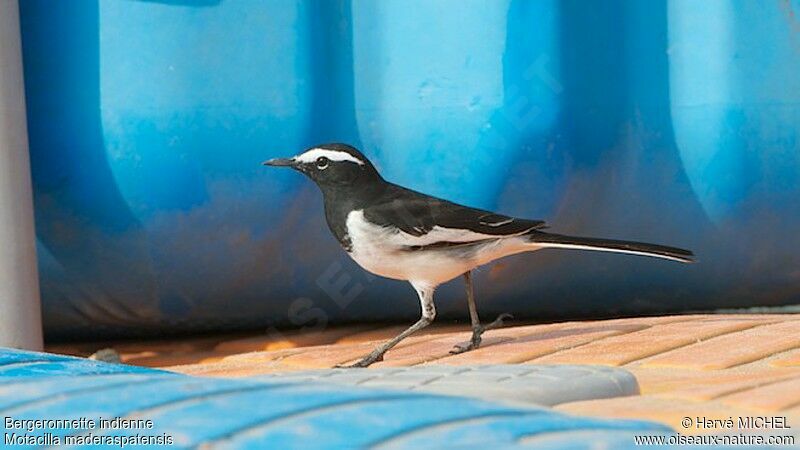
x=477 y=331
x=497 y=323
x=473 y=344
x=366 y=361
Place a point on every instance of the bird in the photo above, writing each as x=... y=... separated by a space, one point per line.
x=401 y=234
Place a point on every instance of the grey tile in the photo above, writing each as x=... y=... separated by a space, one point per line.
x=545 y=385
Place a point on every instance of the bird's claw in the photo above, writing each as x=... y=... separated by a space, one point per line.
x=363 y=362
x=458 y=348
x=475 y=342
x=497 y=323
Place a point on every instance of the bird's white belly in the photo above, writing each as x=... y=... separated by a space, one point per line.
x=384 y=251
x=405 y=265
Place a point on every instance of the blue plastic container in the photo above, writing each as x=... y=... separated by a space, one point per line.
x=672 y=122
x=200 y=412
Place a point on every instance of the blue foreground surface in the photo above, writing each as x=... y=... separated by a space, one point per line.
x=242 y=413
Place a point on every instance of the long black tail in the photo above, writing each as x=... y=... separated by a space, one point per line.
x=610 y=245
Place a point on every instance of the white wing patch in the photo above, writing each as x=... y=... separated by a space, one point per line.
x=333 y=155
x=488 y=223
x=359 y=226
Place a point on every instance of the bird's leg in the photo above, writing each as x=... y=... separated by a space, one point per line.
x=477 y=328
x=428 y=314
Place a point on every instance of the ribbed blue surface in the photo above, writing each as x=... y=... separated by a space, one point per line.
x=241 y=414
x=675 y=122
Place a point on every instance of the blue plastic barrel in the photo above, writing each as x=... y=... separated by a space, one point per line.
x=672 y=122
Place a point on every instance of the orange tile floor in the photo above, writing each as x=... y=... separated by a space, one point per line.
x=714 y=366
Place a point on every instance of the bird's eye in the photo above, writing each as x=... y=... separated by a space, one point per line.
x=322 y=163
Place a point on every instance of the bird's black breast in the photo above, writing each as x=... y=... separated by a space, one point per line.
x=337 y=222
x=339 y=203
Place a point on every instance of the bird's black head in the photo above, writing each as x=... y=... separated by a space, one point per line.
x=331 y=165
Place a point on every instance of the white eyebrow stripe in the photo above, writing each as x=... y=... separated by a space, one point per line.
x=333 y=155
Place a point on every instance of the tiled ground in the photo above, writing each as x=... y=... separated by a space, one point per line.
x=693 y=365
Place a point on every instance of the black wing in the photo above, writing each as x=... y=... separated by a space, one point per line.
x=417 y=214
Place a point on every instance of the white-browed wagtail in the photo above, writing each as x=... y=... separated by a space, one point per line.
x=398 y=233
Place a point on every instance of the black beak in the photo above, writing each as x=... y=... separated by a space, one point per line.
x=281 y=162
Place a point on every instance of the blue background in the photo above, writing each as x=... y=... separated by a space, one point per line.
x=674 y=122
